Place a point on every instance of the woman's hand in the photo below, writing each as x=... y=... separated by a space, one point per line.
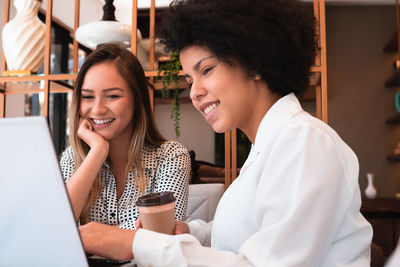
x=82 y=180
x=90 y=137
x=180 y=227
x=107 y=241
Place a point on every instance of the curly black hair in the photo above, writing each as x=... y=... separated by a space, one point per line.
x=273 y=38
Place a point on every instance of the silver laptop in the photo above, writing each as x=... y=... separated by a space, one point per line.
x=37 y=226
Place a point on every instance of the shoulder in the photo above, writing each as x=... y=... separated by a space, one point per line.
x=304 y=125
x=167 y=151
x=311 y=131
x=67 y=163
x=168 y=148
x=173 y=147
x=315 y=139
x=68 y=155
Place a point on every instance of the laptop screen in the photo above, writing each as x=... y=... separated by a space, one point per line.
x=37 y=226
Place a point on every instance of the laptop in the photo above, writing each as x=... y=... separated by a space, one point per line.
x=37 y=226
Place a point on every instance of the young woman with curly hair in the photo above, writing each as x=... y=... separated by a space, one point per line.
x=296 y=201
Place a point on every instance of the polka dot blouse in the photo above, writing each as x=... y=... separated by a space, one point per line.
x=167 y=168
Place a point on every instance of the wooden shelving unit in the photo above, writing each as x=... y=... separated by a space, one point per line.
x=47 y=82
x=58 y=83
x=393 y=158
x=394 y=80
x=391 y=45
x=393 y=119
x=7 y=83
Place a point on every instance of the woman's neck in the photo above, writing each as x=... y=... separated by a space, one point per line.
x=118 y=154
x=263 y=101
x=118 y=161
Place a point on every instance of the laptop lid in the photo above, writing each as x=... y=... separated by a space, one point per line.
x=37 y=226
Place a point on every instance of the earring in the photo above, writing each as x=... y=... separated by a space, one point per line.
x=257 y=77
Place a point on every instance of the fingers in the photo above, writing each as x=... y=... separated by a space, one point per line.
x=90 y=137
x=181 y=228
x=138 y=223
x=84 y=127
x=84 y=124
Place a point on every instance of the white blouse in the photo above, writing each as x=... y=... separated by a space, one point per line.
x=295 y=203
x=167 y=168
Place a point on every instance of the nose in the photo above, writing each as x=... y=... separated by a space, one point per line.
x=99 y=107
x=197 y=91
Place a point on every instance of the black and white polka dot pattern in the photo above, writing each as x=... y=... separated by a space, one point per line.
x=167 y=168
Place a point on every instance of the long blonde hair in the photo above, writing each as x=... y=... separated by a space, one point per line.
x=144 y=130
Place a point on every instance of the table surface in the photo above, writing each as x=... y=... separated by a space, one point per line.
x=381 y=205
x=381 y=208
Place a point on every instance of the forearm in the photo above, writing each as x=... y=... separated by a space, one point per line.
x=107 y=241
x=154 y=249
x=81 y=182
x=202 y=231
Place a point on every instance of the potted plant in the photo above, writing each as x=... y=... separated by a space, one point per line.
x=170 y=70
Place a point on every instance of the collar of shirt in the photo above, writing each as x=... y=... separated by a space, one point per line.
x=148 y=157
x=281 y=111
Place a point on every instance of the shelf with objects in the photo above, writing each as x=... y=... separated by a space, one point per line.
x=394 y=156
x=39 y=76
x=49 y=83
x=392 y=46
x=384 y=213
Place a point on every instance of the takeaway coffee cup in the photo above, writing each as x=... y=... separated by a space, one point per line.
x=157 y=212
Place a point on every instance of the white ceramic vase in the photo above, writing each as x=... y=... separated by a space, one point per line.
x=24 y=38
x=370 y=190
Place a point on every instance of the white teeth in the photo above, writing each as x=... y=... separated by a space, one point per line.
x=102 y=121
x=210 y=108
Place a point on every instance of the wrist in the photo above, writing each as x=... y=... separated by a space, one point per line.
x=129 y=238
x=100 y=150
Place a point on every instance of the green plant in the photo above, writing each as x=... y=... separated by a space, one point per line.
x=169 y=71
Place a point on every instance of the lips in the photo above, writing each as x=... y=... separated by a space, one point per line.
x=208 y=107
x=99 y=123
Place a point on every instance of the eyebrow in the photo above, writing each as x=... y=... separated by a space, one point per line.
x=104 y=90
x=197 y=65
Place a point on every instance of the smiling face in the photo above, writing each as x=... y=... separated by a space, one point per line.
x=223 y=93
x=107 y=102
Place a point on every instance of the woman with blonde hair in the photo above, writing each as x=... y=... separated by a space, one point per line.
x=117 y=152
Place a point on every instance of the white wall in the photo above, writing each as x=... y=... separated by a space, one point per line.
x=196 y=133
x=90 y=10
x=14 y=103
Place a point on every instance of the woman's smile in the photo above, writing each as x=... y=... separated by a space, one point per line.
x=209 y=109
x=101 y=123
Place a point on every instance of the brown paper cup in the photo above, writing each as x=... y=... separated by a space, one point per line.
x=157 y=212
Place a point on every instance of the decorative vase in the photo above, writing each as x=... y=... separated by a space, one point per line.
x=370 y=190
x=24 y=38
